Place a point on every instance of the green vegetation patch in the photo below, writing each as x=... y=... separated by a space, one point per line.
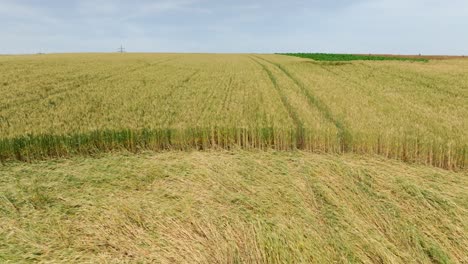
x=350 y=57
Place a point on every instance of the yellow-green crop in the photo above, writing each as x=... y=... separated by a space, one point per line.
x=58 y=105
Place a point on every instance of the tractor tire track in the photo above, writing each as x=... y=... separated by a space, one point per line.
x=344 y=134
x=289 y=108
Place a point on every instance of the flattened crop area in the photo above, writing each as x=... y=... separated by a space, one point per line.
x=231 y=207
x=61 y=105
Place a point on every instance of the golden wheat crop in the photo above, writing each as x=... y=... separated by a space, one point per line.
x=57 y=105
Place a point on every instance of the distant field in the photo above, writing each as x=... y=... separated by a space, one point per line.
x=354 y=57
x=62 y=105
x=422 y=56
x=231 y=207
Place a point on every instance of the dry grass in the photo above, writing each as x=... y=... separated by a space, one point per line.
x=232 y=207
x=61 y=105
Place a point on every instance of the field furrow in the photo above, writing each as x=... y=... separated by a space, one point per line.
x=284 y=101
x=387 y=116
x=344 y=135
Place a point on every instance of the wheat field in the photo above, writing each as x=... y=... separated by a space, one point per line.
x=232 y=158
x=66 y=104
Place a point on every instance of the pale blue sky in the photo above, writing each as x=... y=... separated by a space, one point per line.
x=352 y=26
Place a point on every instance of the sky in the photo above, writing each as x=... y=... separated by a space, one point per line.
x=237 y=26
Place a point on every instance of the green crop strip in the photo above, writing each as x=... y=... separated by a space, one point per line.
x=350 y=57
x=38 y=147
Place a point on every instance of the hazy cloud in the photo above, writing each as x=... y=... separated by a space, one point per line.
x=364 y=26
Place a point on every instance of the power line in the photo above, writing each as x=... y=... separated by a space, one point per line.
x=121 y=49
